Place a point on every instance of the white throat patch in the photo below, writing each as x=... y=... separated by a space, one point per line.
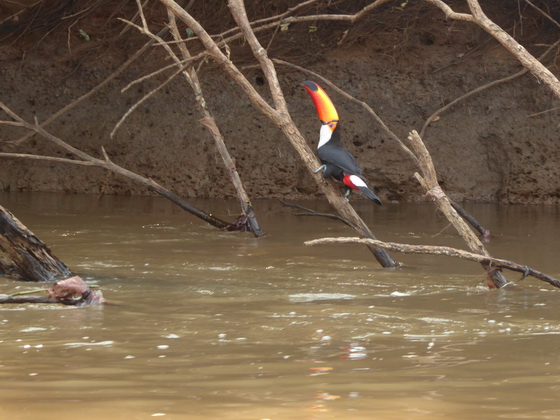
x=325 y=135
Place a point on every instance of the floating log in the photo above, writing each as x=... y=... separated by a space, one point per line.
x=72 y=291
x=25 y=257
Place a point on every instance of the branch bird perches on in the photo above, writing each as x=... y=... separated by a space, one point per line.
x=278 y=112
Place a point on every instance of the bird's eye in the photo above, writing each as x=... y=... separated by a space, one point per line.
x=331 y=125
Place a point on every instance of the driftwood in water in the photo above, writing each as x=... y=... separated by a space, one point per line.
x=72 y=291
x=25 y=256
x=443 y=250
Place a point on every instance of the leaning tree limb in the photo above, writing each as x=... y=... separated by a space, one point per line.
x=443 y=250
x=278 y=113
x=210 y=123
x=528 y=61
x=107 y=164
x=428 y=180
x=248 y=220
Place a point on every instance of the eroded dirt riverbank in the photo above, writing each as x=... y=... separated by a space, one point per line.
x=498 y=146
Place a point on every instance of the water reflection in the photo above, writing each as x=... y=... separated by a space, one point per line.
x=205 y=324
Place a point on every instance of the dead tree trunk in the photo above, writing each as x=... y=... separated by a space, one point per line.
x=25 y=256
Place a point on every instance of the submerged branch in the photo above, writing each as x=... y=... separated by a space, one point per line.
x=310 y=212
x=442 y=250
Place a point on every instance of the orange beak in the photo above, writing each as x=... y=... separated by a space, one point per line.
x=325 y=108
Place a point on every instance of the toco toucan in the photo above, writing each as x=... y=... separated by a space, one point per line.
x=337 y=162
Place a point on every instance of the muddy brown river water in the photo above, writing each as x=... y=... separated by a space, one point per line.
x=210 y=325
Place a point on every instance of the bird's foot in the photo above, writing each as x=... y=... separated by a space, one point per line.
x=526 y=272
x=320 y=168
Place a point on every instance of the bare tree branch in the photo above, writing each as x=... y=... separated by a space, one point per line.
x=428 y=179
x=48 y=158
x=442 y=250
x=144 y=99
x=210 y=123
x=546 y=15
x=479 y=89
x=279 y=115
x=478 y=17
x=109 y=165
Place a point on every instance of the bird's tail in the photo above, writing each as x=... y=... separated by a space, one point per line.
x=357 y=183
x=370 y=194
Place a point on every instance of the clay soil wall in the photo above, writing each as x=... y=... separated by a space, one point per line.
x=501 y=145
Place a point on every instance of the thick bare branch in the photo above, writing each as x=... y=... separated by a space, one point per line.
x=209 y=122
